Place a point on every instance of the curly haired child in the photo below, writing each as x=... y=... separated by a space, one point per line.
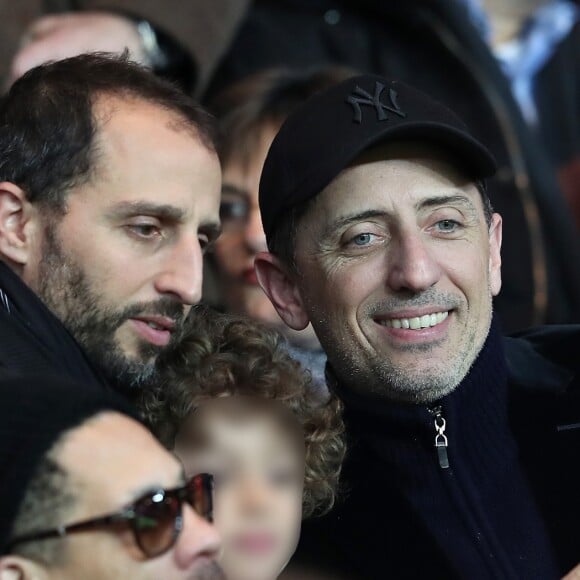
x=234 y=403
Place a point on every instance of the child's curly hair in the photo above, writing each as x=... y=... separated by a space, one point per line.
x=222 y=354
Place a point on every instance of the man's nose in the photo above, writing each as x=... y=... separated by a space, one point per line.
x=181 y=273
x=412 y=263
x=198 y=539
x=254 y=232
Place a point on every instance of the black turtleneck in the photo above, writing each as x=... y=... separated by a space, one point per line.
x=33 y=340
x=478 y=515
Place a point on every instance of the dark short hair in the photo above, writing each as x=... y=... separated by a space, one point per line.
x=48 y=126
x=46 y=503
x=224 y=354
x=265 y=98
x=37 y=414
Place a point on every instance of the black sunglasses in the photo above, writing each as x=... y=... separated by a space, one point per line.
x=156 y=518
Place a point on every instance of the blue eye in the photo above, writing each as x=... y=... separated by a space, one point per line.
x=447 y=225
x=362 y=239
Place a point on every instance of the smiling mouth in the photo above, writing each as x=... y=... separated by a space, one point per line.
x=415 y=323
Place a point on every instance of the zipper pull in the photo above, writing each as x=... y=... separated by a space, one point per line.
x=441 y=442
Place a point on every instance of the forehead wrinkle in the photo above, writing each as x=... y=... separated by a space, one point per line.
x=452 y=199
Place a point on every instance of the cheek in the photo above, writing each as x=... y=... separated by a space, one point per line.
x=465 y=263
x=289 y=507
x=342 y=292
x=118 y=283
x=290 y=517
x=229 y=253
x=226 y=511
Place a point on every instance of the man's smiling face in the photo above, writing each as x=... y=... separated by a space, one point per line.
x=396 y=271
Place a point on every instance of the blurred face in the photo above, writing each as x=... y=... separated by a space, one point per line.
x=397 y=269
x=243 y=237
x=257 y=458
x=112 y=461
x=123 y=266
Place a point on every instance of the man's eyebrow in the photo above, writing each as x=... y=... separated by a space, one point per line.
x=149 y=488
x=133 y=208
x=347 y=220
x=440 y=200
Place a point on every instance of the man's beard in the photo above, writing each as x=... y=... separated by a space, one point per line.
x=65 y=289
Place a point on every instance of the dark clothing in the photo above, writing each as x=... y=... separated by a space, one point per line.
x=434 y=46
x=33 y=340
x=508 y=504
x=557 y=97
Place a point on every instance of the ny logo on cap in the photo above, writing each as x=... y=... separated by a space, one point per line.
x=361 y=97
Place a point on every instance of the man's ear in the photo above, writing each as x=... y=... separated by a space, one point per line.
x=16 y=225
x=280 y=287
x=18 y=568
x=495 y=237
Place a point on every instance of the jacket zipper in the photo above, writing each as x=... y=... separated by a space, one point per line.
x=4 y=300
x=441 y=441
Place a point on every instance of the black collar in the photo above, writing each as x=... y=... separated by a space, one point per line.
x=32 y=339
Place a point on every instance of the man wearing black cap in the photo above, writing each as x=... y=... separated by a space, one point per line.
x=109 y=196
x=88 y=493
x=381 y=234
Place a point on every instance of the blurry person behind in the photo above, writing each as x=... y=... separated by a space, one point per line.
x=250 y=113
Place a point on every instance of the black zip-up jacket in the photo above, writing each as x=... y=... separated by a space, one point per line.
x=433 y=45
x=507 y=505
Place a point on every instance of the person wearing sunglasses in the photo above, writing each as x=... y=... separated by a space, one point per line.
x=87 y=492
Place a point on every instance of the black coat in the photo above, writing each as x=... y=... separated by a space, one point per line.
x=377 y=530
x=33 y=340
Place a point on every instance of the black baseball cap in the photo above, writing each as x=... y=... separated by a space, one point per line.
x=326 y=133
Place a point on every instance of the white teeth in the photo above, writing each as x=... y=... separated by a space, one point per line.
x=416 y=323
x=155 y=326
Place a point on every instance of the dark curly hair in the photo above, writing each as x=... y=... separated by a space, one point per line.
x=223 y=354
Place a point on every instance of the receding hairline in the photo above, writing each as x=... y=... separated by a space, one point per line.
x=106 y=104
